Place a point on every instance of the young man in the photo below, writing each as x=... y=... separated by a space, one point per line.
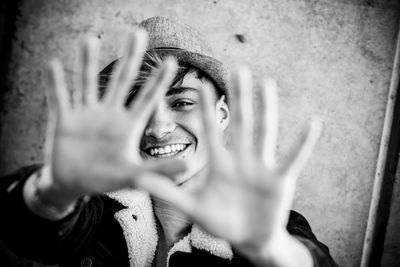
x=208 y=206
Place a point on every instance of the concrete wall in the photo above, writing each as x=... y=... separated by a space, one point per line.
x=331 y=58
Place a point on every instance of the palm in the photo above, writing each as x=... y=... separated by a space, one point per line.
x=238 y=206
x=100 y=144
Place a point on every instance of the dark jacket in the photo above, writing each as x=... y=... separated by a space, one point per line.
x=117 y=229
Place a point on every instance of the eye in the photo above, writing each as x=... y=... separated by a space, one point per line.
x=182 y=104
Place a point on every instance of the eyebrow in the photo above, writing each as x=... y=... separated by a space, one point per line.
x=180 y=90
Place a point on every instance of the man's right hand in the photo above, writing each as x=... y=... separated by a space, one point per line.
x=93 y=143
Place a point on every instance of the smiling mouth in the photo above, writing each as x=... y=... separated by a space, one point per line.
x=166 y=151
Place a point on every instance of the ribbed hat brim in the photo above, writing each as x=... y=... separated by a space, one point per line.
x=211 y=66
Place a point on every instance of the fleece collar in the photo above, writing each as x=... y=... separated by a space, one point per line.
x=138 y=223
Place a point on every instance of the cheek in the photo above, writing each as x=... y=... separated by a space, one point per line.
x=192 y=123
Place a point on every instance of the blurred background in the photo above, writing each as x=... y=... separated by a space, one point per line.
x=331 y=58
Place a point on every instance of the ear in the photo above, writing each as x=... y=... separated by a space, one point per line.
x=222 y=112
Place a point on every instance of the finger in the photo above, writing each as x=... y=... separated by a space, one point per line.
x=57 y=94
x=88 y=74
x=152 y=92
x=127 y=69
x=269 y=122
x=50 y=133
x=57 y=100
x=303 y=151
x=242 y=112
x=53 y=113
x=163 y=188
x=212 y=136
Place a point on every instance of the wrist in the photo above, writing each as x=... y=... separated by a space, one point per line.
x=44 y=198
x=282 y=249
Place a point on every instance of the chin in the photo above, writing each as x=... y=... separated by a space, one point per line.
x=193 y=178
x=181 y=179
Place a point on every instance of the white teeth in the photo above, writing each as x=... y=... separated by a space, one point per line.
x=167 y=149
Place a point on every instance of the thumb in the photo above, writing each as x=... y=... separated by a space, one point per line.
x=165 y=189
x=169 y=168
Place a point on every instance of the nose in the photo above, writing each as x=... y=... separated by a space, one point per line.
x=160 y=124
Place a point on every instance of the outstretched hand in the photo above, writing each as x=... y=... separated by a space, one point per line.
x=94 y=143
x=246 y=197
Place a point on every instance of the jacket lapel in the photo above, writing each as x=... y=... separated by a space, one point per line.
x=200 y=239
x=140 y=231
x=138 y=225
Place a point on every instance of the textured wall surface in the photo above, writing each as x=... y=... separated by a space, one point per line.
x=331 y=58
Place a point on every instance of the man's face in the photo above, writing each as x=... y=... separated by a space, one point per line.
x=175 y=130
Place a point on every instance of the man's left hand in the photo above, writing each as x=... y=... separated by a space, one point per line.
x=246 y=196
